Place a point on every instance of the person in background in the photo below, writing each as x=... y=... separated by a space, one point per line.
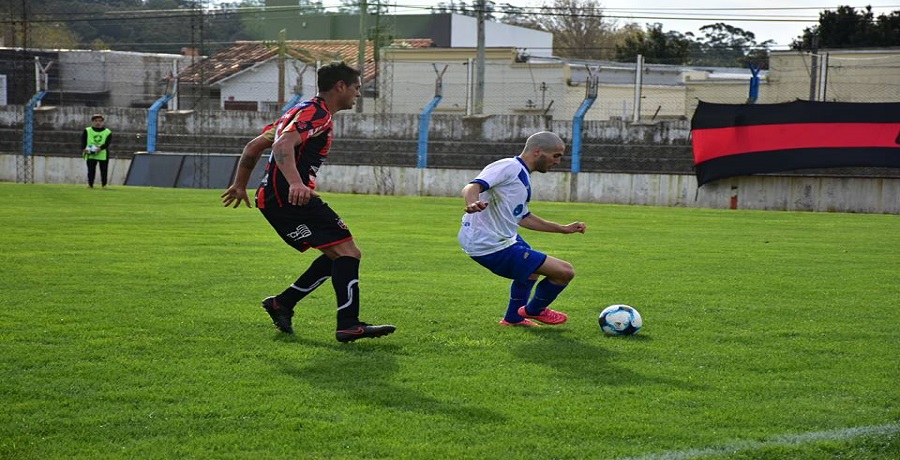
x=95 y=144
x=496 y=206
x=300 y=140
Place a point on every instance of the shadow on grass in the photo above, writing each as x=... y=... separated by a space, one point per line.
x=586 y=361
x=365 y=374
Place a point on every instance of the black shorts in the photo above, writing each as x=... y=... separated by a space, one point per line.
x=314 y=225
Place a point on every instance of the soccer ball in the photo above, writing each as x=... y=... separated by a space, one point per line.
x=94 y=148
x=620 y=320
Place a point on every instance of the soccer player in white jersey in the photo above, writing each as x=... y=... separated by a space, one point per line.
x=496 y=206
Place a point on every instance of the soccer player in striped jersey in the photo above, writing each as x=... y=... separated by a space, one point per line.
x=300 y=140
x=496 y=206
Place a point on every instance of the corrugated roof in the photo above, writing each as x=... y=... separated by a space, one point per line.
x=245 y=54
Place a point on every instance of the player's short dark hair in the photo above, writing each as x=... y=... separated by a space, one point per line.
x=329 y=75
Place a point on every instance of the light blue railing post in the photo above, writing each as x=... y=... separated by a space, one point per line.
x=424 y=123
x=754 y=84
x=425 y=119
x=578 y=120
x=298 y=87
x=294 y=100
x=28 y=131
x=152 y=122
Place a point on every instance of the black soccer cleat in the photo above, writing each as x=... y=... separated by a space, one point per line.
x=281 y=315
x=363 y=330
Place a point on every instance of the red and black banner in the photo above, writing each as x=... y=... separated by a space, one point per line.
x=738 y=140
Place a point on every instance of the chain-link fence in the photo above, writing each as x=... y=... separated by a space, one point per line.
x=658 y=92
x=87 y=78
x=408 y=79
x=841 y=76
x=405 y=80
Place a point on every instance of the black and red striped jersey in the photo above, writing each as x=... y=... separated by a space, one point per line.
x=312 y=120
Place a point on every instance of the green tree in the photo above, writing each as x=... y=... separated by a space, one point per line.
x=292 y=8
x=54 y=35
x=889 y=29
x=848 y=28
x=579 y=30
x=514 y=15
x=311 y=7
x=655 y=46
x=130 y=25
x=228 y=23
x=578 y=27
x=372 y=7
x=28 y=21
x=728 y=46
x=466 y=9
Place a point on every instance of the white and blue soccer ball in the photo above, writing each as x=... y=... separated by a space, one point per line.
x=620 y=319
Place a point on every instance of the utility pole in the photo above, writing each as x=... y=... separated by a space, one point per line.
x=814 y=67
x=361 y=59
x=478 y=105
x=281 y=51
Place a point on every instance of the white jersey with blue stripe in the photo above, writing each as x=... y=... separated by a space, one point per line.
x=506 y=187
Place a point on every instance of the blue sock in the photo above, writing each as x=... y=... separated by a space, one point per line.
x=519 y=292
x=544 y=295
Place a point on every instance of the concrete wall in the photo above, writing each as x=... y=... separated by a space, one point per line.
x=464 y=33
x=255 y=84
x=59 y=170
x=867 y=78
x=779 y=193
x=617 y=102
x=408 y=82
x=519 y=88
x=852 y=76
x=130 y=79
x=719 y=92
x=624 y=163
x=775 y=193
x=130 y=126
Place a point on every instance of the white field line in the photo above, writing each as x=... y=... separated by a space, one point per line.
x=784 y=440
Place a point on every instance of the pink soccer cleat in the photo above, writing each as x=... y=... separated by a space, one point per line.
x=547 y=316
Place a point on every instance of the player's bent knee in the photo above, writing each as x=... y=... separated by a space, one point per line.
x=562 y=273
x=567 y=272
x=346 y=249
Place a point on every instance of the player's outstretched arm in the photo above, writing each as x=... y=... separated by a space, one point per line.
x=533 y=222
x=237 y=192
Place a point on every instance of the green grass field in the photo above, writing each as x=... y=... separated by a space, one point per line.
x=130 y=327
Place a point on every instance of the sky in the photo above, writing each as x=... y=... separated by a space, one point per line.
x=779 y=20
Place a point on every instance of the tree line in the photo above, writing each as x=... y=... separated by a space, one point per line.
x=581 y=31
x=579 y=27
x=150 y=26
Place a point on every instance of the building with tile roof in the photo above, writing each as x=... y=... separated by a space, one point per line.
x=245 y=75
x=241 y=77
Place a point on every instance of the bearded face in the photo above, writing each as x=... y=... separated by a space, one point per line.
x=546 y=160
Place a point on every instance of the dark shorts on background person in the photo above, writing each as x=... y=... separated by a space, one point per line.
x=517 y=262
x=314 y=225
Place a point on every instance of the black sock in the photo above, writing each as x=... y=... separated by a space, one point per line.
x=313 y=277
x=345 y=278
